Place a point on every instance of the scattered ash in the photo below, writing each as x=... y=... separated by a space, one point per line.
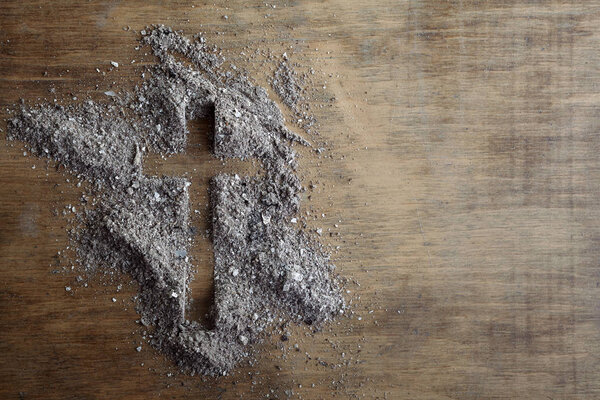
x=265 y=268
x=93 y=140
x=286 y=83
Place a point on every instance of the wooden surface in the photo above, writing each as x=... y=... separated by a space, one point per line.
x=465 y=171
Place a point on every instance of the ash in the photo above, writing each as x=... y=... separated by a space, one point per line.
x=285 y=84
x=265 y=268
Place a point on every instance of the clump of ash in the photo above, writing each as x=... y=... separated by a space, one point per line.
x=265 y=268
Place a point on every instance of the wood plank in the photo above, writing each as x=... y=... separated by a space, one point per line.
x=464 y=170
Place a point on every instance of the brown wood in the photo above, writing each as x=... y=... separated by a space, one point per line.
x=465 y=172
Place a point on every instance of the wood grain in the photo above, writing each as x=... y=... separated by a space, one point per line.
x=464 y=170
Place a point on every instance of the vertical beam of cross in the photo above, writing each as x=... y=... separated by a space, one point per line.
x=199 y=164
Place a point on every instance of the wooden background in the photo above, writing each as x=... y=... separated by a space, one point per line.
x=465 y=170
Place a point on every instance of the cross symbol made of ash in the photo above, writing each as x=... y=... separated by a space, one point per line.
x=265 y=268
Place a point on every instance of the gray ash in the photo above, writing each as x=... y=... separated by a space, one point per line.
x=285 y=84
x=92 y=139
x=265 y=268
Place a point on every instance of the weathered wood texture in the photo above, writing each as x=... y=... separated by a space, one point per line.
x=465 y=171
